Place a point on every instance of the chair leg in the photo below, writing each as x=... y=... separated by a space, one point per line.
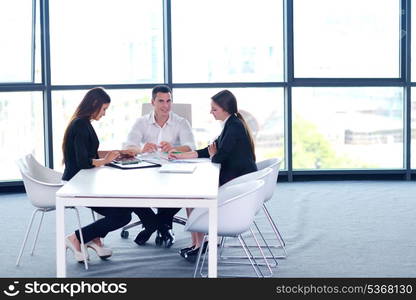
x=26 y=235
x=249 y=256
x=260 y=247
x=222 y=245
x=199 y=257
x=133 y=224
x=82 y=239
x=37 y=233
x=179 y=220
x=268 y=247
x=278 y=237
x=276 y=231
x=262 y=253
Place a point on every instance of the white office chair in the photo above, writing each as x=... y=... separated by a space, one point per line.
x=236 y=211
x=184 y=110
x=266 y=175
x=273 y=164
x=41 y=185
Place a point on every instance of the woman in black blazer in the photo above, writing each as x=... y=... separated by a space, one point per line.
x=233 y=149
x=80 y=150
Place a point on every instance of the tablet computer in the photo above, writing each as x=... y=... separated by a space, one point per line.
x=137 y=164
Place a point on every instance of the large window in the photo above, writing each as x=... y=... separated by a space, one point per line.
x=346 y=38
x=19 y=33
x=106 y=42
x=413 y=129
x=262 y=108
x=347 y=128
x=413 y=44
x=112 y=129
x=21 y=130
x=227 y=41
x=323 y=84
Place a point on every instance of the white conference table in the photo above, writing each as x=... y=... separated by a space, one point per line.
x=111 y=187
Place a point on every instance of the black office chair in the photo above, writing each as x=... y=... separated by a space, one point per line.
x=185 y=111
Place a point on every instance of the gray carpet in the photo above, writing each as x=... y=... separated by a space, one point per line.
x=332 y=229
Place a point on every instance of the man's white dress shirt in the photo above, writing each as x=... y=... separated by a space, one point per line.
x=177 y=131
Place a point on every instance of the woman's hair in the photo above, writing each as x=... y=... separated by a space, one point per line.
x=227 y=101
x=89 y=106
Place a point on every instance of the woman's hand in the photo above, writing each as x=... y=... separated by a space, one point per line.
x=110 y=156
x=212 y=149
x=128 y=153
x=105 y=157
x=172 y=154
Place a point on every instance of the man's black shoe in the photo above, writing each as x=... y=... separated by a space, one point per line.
x=143 y=236
x=168 y=238
x=165 y=237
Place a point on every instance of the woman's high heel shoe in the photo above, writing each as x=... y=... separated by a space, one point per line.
x=78 y=255
x=102 y=252
x=184 y=250
x=192 y=255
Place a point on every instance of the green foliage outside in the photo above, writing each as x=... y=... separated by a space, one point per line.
x=311 y=150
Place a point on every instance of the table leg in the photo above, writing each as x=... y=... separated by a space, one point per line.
x=60 y=238
x=212 y=241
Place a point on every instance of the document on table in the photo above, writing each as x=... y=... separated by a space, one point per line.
x=177 y=168
x=190 y=160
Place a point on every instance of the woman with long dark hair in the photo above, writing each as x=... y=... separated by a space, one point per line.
x=80 y=151
x=233 y=149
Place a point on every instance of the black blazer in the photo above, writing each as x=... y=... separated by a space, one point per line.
x=233 y=151
x=81 y=147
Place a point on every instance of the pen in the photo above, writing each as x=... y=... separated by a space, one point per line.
x=173 y=152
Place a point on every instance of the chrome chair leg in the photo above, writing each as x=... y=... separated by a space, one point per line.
x=272 y=256
x=37 y=233
x=262 y=253
x=26 y=235
x=82 y=239
x=274 y=227
x=260 y=247
x=250 y=256
x=222 y=244
x=278 y=237
x=199 y=257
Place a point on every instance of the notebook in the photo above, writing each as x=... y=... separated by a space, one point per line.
x=177 y=168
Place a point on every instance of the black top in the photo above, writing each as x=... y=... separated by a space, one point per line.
x=233 y=151
x=81 y=147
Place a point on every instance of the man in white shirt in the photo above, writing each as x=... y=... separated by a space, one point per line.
x=159 y=130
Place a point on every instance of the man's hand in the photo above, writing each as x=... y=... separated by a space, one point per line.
x=149 y=147
x=165 y=146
